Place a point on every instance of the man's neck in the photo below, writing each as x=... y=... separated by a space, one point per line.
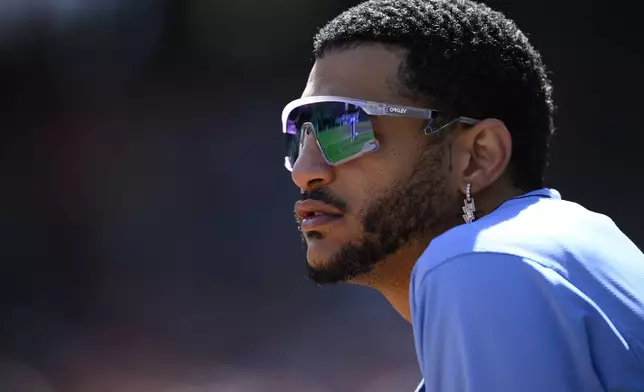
x=392 y=276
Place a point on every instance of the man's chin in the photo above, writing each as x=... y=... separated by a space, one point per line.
x=321 y=257
x=325 y=275
x=335 y=263
x=321 y=268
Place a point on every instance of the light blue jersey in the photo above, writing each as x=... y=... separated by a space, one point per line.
x=540 y=295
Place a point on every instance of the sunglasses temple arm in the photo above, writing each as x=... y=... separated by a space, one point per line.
x=463 y=120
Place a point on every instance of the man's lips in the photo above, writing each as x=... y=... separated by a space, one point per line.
x=314 y=214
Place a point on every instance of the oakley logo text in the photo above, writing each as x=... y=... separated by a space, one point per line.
x=398 y=110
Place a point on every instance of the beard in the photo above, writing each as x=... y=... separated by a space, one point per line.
x=405 y=213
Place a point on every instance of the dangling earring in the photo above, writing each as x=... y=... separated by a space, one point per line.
x=468 y=205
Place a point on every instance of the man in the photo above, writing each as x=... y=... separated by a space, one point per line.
x=438 y=203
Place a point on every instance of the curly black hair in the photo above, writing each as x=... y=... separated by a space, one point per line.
x=466 y=60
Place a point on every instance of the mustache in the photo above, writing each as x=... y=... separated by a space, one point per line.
x=326 y=197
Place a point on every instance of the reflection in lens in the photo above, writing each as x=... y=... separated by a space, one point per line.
x=349 y=133
x=344 y=131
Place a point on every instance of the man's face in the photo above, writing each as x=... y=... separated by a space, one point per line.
x=399 y=195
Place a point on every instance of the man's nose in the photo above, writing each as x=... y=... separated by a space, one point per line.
x=310 y=169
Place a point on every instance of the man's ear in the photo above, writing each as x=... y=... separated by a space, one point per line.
x=481 y=154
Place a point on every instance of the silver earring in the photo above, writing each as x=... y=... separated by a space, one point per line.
x=468 y=205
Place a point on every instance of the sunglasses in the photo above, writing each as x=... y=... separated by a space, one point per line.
x=342 y=126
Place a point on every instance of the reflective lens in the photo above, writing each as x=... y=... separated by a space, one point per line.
x=343 y=131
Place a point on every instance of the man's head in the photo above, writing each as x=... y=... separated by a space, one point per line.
x=458 y=57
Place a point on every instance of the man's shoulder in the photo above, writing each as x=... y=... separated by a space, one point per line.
x=539 y=229
x=560 y=244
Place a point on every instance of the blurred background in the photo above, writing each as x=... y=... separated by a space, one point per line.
x=147 y=240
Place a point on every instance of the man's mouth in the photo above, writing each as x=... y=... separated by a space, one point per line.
x=313 y=214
